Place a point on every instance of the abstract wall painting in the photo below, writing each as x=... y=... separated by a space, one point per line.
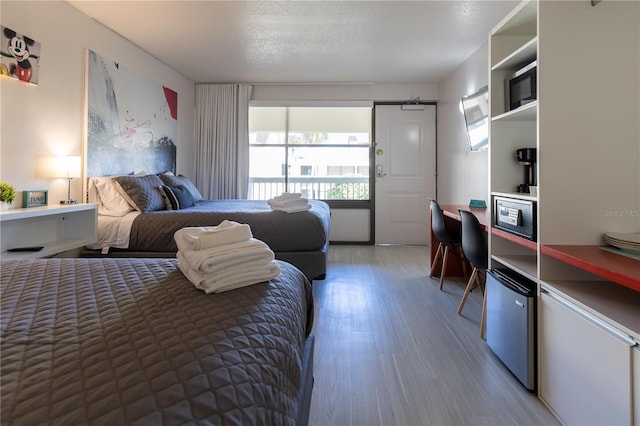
x=132 y=121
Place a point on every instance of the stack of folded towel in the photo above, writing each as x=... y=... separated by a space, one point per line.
x=289 y=202
x=224 y=257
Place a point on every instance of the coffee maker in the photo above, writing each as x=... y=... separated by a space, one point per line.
x=527 y=158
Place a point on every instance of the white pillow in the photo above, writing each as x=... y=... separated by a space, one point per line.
x=111 y=203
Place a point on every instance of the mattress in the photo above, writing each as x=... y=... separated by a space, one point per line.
x=302 y=231
x=283 y=232
x=131 y=341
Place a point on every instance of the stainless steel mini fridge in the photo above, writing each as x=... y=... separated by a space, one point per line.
x=511 y=323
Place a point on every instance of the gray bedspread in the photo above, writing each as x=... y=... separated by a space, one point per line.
x=283 y=232
x=131 y=341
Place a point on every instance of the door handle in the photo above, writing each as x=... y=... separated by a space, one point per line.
x=379 y=171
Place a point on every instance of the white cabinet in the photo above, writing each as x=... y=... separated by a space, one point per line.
x=585 y=365
x=57 y=228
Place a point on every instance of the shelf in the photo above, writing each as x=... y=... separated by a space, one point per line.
x=522 y=20
x=17 y=214
x=520 y=57
x=527 y=112
x=57 y=228
x=613 y=267
x=517 y=195
x=50 y=248
x=532 y=245
x=526 y=265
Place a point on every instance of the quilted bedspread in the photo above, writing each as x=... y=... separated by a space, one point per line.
x=131 y=341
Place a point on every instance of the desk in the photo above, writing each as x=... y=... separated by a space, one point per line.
x=453 y=222
x=482 y=213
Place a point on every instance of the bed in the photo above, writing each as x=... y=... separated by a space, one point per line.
x=134 y=221
x=132 y=341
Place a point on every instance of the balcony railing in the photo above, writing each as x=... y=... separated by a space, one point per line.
x=311 y=187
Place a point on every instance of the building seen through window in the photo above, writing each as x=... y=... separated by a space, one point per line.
x=321 y=152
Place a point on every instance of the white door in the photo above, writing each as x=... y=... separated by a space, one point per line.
x=405 y=170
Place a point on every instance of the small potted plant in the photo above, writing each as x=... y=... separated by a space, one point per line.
x=7 y=195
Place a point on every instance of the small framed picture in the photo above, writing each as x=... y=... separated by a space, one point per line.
x=35 y=198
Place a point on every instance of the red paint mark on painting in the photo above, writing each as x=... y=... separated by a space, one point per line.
x=172 y=101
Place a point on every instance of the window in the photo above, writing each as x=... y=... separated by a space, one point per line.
x=320 y=152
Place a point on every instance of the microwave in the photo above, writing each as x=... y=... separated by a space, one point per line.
x=515 y=216
x=522 y=86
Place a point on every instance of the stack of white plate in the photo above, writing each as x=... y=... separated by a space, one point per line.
x=629 y=242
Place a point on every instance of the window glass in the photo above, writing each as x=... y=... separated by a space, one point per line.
x=321 y=152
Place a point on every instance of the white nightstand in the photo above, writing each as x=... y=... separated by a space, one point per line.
x=57 y=228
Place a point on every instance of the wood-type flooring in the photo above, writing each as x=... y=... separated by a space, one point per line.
x=391 y=350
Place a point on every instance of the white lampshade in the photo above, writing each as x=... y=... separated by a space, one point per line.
x=68 y=167
x=64 y=167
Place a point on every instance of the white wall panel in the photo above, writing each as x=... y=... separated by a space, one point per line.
x=350 y=225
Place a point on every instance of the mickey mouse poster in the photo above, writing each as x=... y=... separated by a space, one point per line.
x=20 y=56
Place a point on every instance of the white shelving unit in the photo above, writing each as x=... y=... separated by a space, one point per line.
x=57 y=228
x=584 y=128
x=513 y=44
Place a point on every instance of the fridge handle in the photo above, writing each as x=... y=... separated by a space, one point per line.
x=627 y=340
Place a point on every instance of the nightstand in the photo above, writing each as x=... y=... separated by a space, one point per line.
x=56 y=228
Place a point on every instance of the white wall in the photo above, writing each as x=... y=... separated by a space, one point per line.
x=344 y=92
x=462 y=174
x=49 y=119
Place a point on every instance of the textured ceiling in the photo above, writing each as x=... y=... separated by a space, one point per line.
x=305 y=41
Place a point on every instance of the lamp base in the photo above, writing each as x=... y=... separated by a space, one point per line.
x=68 y=202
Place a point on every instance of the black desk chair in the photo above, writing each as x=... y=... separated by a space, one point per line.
x=448 y=240
x=474 y=246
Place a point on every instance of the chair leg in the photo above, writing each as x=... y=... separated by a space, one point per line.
x=436 y=259
x=483 y=321
x=444 y=265
x=463 y=260
x=472 y=280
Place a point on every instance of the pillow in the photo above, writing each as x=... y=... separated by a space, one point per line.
x=184 y=181
x=110 y=202
x=176 y=197
x=143 y=192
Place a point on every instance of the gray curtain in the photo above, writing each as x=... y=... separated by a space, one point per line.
x=222 y=140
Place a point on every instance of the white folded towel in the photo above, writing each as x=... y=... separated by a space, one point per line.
x=287 y=203
x=287 y=196
x=218 y=259
x=293 y=209
x=202 y=237
x=232 y=278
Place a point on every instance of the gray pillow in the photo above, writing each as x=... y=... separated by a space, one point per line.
x=143 y=192
x=184 y=181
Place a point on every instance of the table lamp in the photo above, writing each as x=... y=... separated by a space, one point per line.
x=67 y=167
